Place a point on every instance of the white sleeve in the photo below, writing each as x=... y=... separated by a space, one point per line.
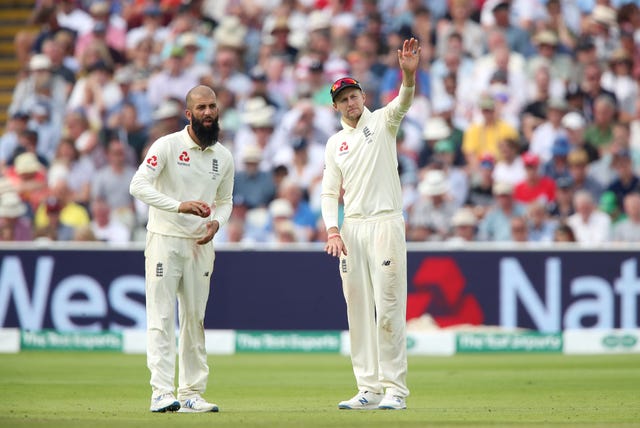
x=224 y=196
x=142 y=187
x=331 y=183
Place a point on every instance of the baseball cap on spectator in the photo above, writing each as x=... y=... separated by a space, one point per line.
x=573 y=121
x=487 y=161
x=259 y=114
x=486 y=102
x=53 y=205
x=11 y=206
x=280 y=207
x=341 y=84
x=444 y=146
x=39 y=62
x=434 y=183
x=436 y=129
x=464 y=217
x=530 y=159
x=560 y=146
x=502 y=188
x=281 y=23
x=166 y=110
x=578 y=157
x=252 y=154
x=564 y=182
x=27 y=163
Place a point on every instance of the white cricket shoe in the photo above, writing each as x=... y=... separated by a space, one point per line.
x=392 y=402
x=363 y=400
x=165 y=402
x=196 y=404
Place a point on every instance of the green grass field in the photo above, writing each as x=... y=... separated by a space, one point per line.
x=301 y=390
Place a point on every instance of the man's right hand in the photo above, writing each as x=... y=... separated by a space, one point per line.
x=199 y=208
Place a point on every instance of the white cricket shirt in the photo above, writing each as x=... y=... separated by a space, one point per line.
x=175 y=170
x=363 y=160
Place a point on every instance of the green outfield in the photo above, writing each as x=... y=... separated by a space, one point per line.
x=71 y=389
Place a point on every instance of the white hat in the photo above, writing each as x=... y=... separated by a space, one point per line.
x=252 y=153
x=6 y=185
x=318 y=20
x=85 y=141
x=27 y=163
x=604 y=15
x=464 y=217
x=280 y=208
x=434 y=183
x=257 y=113
x=166 y=110
x=573 y=121
x=502 y=188
x=123 y=75
x=11 y=206
x=230 y=33
x=39 y=62
x=436 y=128
x=188 y=39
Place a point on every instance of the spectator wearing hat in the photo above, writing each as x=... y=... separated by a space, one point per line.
x=564 y=19
x=562 y=206
x=17 y=123
x=481 y=189
x=578 y=163
x=535 y=186
x=558 y=165
x=590 y=225
x=482 y=137
x=575 y=124
x=628 y=229
x=29 y=178
x=560 y=64
x=259 y=123
x=168 y=117
x=544 y=135
x=105 y=227
x=541 y=89
x=253 y=188
x=277 y=32
x=435 y=129
x=40 y=85
x=618 y=78
x=510 y=168
x=464 y=223
x=28 y=141
x=172 y=81
x=110 y=27
x=15 y=224
x=540 y=228
x=496 y=223
x=430 y=218
x=602 y=26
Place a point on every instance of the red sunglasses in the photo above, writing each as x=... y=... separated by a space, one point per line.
x=344 y=82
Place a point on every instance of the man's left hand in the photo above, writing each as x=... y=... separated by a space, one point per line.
x=409 y=56
x=212 y=229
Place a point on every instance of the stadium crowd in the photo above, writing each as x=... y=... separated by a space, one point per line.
x=525 y=126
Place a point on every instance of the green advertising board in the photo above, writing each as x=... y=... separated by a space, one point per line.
x=288 y=341
x=51 y=340
x=508 y=342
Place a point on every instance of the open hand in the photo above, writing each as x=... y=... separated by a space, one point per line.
x=409 y=55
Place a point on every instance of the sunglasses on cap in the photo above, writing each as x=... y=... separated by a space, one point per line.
x=340 y=84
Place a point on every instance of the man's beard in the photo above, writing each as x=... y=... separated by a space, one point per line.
x=207 y=136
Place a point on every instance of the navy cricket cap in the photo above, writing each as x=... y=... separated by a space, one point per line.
x=343 y=83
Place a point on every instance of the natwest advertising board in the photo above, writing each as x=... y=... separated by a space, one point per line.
x=549 y=291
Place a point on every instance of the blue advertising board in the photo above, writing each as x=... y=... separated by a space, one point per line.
x=103 y=289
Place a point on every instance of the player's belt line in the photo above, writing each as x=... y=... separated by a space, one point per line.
x=380 y=217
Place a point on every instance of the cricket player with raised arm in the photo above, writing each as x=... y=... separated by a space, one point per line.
x=361 y=158
x=183 y=176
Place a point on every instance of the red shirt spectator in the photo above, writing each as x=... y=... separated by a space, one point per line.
x=535 y=186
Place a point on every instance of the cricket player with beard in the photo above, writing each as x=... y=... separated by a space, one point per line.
x=361 y=158
x=182 y=177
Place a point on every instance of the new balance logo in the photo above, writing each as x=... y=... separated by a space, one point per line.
x=386 y=263
x=159 y=270
x=363 y=401
x=343 y=265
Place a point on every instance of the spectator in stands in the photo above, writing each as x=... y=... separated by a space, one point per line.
x=106 y=228
x=152 y=28
x=510 y=168
x=558 y=166
x=496 y=224
x=473 y=35
x=253 y=188
x=259 y=118
x=109 y=27
x=609 y=205
x=618 y=79
x=564 y=233
x=628 y=230
x=78 y=172
x=562 y=206
x=591 y=89
x=430 y=218
x=560 y=64
x=518 y=229
x=110 y=184
x=535 y=187
x=53 y=48
x=482 y=138
x=15 y=224
x=517 y=38
x=303 y=218
x=544 y=135
x=578 y=162
x=227 y=68
x=590 y=225
x=435 y=129
x=600 y=133
x=48 y=134
x=481 y=191
x=173 y=81
x=28 y=177
x=9 y=141
x=464 y=224
x=575 y=124
x=627 y=181
x=540 y=228
x=458 y=183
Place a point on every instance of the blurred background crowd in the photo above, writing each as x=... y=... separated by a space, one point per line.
x=525 y=125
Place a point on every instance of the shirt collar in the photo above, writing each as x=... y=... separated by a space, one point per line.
x=188 y=141
x=363 y=119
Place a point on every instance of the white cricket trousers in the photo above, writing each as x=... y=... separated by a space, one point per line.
x=177 y=268
x=374 y=282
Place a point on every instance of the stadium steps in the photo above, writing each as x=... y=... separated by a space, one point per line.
x=13 y=18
